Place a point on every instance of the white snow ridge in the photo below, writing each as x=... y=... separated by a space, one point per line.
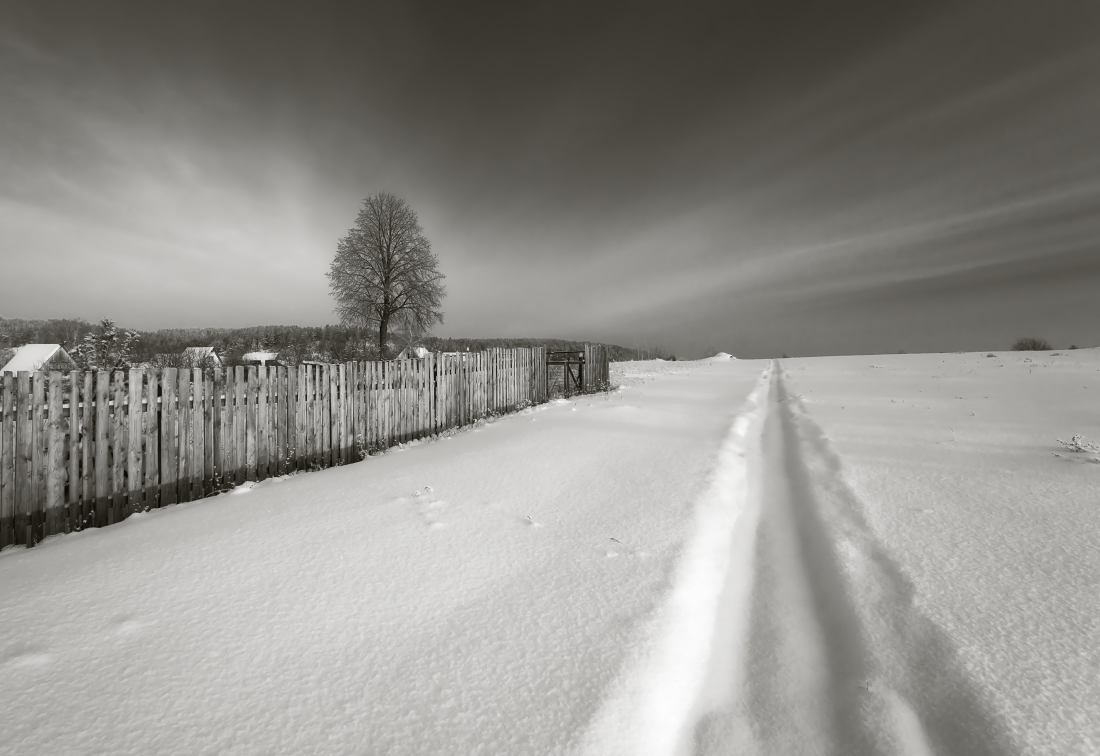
x=672 y=681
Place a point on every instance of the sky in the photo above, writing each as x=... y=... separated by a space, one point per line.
x=760 y=178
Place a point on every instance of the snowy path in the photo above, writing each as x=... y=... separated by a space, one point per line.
x=813 y=642
x=838 y=660
x=472 y=595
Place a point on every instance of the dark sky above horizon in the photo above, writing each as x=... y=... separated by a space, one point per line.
x=792 y=177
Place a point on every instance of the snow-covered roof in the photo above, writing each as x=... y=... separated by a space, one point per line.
x=31 y=357
x=261 y=357
x=410 y=352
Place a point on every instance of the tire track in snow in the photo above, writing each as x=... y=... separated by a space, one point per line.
x=788 y=629
x=913 y=695
x=839 y=660
x=653 y=706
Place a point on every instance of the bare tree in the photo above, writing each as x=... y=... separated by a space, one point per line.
x=384 y=273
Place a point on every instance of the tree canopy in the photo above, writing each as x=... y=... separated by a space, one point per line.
x=384 y=273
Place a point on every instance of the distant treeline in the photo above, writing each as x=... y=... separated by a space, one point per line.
x=295 y=344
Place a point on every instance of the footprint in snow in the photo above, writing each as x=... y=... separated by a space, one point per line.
x=127 y=626
x=25 y=655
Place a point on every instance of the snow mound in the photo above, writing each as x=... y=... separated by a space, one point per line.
x=720 y=357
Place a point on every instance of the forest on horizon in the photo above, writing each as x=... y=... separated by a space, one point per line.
x=329 y=343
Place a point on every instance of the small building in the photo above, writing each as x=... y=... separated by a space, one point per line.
x=413 y=353
x=260 y=358
x=202 y=356
x=45 y=357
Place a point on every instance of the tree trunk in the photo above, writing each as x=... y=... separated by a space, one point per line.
x=383 y=328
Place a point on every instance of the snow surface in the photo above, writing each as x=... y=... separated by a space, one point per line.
x=853 y=555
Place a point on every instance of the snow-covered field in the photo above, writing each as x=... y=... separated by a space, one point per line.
x=854 y=555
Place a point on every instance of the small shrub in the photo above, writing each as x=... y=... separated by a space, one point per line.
x=1031 y=344
x=1078 y=444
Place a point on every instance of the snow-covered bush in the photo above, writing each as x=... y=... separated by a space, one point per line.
x=1078 y=444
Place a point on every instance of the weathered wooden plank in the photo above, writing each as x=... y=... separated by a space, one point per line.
x=405 y=373
x=381 y=418
x=234 y=446
x=217 y=398
x=229 y=437
x=372 y=411
x=338 y=415
x=212 y=415
x=87 y=450
x=251 y=413
x=339 y=408
x=171 y=388
x=349 y=429
x=293 y=417
x=240 y=427
x=272 y=420
x=423 y=410
x=73 y=431
x=200 y=434
x=262 y=419
x=429 y=393
x=24 y=490
x=305 y=459
x=348 y=387
x=309 y=416
x=385 y=375
x=150 y=424
x=334 y=401
x=7 y=459
x=41 y=453
x=120 y=431
x=281 y=417
x=324 y=439
x=324 y=396
x=359 y=415
x=183 y=424
x=134 y=437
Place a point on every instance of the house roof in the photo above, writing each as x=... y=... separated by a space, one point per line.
x=261 y=356
x=32 y=357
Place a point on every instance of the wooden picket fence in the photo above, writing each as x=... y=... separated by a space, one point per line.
x=597 y=369
x=83 y=449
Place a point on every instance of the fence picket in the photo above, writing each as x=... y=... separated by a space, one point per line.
x=72 y=487
x=200 y=432
x=169 y=436
x=182 y=414
x=8 y=438
x=102 y=447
